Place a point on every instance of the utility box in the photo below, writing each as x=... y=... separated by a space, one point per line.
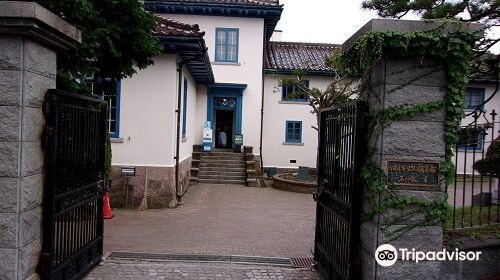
x=303 y=172
x=271 y=171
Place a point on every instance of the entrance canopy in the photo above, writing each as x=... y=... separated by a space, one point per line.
x=187 y=41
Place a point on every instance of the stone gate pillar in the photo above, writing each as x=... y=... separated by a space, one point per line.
x=417 y=142
x=29 y=39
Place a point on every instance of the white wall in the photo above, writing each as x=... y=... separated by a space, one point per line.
x=493 y=104
x=276 y=113
x=248 y=70
x=201 y=113
x=147 y=116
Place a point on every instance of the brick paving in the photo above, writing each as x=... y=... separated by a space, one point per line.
x=219 y=220
x=189 y=271
x=215 y=220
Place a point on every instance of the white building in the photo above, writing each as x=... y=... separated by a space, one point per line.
x=230 y=60
x=479 y=126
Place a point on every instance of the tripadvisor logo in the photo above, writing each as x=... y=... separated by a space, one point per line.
x=387 y=255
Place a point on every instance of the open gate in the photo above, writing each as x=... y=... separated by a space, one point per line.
x=341 y=157
x=75 y=139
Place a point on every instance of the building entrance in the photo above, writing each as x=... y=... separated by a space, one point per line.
x=224 y=129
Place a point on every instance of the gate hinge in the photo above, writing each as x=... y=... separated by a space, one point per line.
x=48 y=132
x=322 y=185
x=46 y=109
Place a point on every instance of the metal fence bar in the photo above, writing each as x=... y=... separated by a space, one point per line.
x=474 y=193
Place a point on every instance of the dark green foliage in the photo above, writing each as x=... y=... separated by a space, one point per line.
x=117 y=39
x=429 y=9
x=490 y=165
x=433 y=9
x=450 y=52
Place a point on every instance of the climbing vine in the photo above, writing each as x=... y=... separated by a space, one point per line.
x=450 y=52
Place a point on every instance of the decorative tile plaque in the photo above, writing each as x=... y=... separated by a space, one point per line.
x=413 y=174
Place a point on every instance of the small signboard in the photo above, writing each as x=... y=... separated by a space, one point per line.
x=413 y=174
x=238 y=139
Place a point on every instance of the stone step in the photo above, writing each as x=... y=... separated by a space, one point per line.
x=223 y=155
x=219 y=177
x=219 y=165
x=223 y=161
x=210 y=181
x=218 y=154
x=224 y=168
x=222 y=173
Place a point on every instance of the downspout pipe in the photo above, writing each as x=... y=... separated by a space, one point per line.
x=180 y=67
x=264 y=50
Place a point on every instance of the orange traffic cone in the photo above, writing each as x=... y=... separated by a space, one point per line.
x=106 y=207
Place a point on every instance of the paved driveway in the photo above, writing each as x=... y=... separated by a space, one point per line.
x=219 y=220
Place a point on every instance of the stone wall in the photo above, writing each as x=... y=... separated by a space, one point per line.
x=417 y=139
x=21 y=164
x=420 y=139
x=312 y=171
x=27 y=70
x=150 y=188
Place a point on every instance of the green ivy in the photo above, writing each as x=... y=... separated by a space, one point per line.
x=451 y=52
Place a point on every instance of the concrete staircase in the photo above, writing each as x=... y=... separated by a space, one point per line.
x=222 y=168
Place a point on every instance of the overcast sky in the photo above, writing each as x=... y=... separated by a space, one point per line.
x=323 y=21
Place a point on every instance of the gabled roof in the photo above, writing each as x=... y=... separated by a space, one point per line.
x=187 y=41
x=269 y=10
x=169 y=27
x=287 y=57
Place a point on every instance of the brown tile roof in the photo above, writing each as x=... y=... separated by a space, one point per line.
x=169 y=27
x=230 y=2
x=289 y=56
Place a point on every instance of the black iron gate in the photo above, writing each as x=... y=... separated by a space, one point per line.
x=341 y=156
x=75 y=139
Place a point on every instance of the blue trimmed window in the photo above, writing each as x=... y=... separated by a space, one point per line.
x=294 y=93
x=471 y=138
x=293 y=133
x=108 y=90
x=184 y=108
x=473 y=98
x=226 y=44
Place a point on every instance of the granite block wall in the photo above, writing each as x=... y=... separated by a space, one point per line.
x=150 y=188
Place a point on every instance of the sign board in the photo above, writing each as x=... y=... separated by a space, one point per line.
x=207 y=139
x=208 y=124
x=238 y=139
x=413 y=174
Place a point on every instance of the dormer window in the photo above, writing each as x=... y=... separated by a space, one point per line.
x=226 y=44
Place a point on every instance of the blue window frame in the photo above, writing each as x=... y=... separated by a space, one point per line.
x=184 y=108
x=293 y=132
x=473 y=98
x=293 y=93
x=471 y=138
x=226 y=44
x=108 y=90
